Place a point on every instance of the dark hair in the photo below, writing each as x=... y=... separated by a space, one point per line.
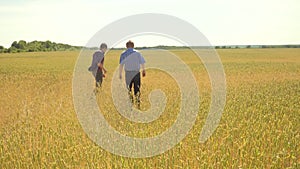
x=130 y=44
x=103 y=46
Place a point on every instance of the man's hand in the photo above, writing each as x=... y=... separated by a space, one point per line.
x=144 y=73
x=120 y=71
x=104 y=70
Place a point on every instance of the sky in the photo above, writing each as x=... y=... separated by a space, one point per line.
x=223 y=22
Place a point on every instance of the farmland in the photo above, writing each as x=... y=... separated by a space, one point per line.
x=259 y=127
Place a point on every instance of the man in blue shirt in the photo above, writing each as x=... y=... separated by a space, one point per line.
x=131 y=60
x=97 y=66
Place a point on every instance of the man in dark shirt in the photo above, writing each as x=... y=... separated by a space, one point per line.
x=97 y=66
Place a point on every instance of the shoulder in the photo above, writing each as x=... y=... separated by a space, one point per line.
x=123 y=52
x=98 y=53
x=138 y=52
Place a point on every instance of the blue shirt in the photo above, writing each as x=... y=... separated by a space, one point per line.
x=132 y=59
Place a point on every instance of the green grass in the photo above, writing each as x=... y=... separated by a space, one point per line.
x=259 y=127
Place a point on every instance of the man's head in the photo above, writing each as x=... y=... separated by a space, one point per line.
x=130 y=44
x=103 y=47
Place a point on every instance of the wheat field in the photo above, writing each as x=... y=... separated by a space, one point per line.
x=259 y=127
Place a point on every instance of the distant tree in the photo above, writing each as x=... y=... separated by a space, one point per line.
x=12 y=50
x=48 y=44
x=1 y=49
x=33 y=46
x=38 y=46
x=15 y=44
x=248 y=46
x=22 y=44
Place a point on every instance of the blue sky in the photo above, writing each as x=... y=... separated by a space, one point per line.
x=223 y=22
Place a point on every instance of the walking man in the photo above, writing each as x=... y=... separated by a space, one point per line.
x=131 y=60
x=97 y=66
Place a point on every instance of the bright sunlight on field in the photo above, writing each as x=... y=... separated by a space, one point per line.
x=259 y=127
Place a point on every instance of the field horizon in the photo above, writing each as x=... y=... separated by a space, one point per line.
x=48 y=46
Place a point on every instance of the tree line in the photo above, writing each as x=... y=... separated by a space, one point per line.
x=256 y=46
x=46 y=46
x=37 y=46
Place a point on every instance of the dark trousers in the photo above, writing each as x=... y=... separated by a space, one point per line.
x=133 y=78
x=98 y=77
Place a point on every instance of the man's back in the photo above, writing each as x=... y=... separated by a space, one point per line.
x=131 y=59
x=98 y=57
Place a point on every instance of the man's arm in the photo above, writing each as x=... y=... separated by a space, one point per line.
x=142 y=62
x=100 y=65
x=143 y=70
x=120 y=70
